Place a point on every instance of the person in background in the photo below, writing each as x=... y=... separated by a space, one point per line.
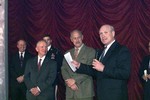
x=17 y=67
x=144 y=73
x=56 y=55
x=78 y=86
x=40 y=74
x=111 y=69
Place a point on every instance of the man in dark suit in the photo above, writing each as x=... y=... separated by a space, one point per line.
x=112 y=69
x=40 y=74
x=56 y=55
x=144 y=73
x=17 y=67
x=78 y=86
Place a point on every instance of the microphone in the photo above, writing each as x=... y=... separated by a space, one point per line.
x=145 y=74
x=97 y=55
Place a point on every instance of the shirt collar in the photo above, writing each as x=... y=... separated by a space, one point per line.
x=79 y=47
x=48 y=48
x=41 y=58
x=22 y=53
x=108 y=46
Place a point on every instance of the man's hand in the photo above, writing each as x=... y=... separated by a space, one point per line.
x=20 y=79
x=35 y=91
x=145 y=77
x=74 y=87
x=148 y=76
x=70 y=82
x=98 y=65
x=76 y=64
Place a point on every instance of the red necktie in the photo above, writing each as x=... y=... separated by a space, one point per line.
x=39 y=64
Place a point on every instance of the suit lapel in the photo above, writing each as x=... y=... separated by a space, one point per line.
x=81 y=52
x=72 y=53
x=35 y=64
x=110 y=51
x=44 y=64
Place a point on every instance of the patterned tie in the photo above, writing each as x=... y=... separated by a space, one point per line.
x=39 y=64
x=102 y=55
x=76 y=52
x=21 y=59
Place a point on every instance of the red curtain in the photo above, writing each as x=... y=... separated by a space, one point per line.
x=31 y=19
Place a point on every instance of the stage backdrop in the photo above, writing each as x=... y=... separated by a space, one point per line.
x=31 y=19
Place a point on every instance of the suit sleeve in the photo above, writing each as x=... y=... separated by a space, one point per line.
x=12 y=68
x=64 y=70
x=86 y=69
x=119 y=68
x=27 y=76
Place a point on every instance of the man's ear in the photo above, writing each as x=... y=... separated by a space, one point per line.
x=36 y=49
x=113 y=32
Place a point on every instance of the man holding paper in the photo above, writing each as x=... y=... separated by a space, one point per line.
x=145 y=75
x=78 y=86
x=112 y=69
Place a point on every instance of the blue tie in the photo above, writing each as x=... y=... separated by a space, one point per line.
x=102 y=55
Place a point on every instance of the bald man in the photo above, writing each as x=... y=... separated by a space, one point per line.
x=111 y=69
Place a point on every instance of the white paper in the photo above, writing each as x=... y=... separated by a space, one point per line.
x=145 y=73
x=69 y=60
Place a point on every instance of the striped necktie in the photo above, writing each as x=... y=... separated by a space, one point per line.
x=102 y=55
x=76 y=52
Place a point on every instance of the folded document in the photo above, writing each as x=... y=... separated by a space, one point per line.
x=69 y=60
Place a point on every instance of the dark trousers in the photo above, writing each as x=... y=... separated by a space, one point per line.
x=18 y=92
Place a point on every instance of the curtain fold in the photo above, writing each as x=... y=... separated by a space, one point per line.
x=31 y=19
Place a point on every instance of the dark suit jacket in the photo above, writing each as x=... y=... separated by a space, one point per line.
x=56 y=55
x=15 y=67
x=146 y=85
x=112 y=82
x=43 y=78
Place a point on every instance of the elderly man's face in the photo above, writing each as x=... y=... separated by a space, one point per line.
x=21 y=45
x=76 y=39
x=106 y=34
x=41 y=48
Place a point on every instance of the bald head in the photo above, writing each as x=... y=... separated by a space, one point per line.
x=107 y=34
x=41 y=48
